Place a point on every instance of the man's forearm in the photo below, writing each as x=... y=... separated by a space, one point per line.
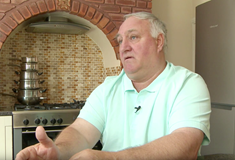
x=173 y=147
x=69 y=142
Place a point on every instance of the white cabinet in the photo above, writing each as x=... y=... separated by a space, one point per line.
x=6 y=137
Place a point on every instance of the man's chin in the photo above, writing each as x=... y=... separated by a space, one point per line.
x=130 y=71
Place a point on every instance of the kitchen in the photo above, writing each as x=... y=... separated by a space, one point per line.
x=66 y=71
x=72 y=64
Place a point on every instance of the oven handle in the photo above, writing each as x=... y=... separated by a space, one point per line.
x=47 y=131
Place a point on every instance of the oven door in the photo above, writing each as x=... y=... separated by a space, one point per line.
x=24 y=137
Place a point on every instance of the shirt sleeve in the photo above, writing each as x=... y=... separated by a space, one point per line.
x=93 y=110
x=192 y=107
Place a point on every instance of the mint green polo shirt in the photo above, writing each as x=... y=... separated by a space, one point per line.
x=176 y=98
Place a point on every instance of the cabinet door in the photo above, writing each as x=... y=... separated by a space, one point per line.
x=9 y=147
x=6 y=137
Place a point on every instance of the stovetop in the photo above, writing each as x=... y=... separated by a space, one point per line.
x=47 y=115
x=50 y=106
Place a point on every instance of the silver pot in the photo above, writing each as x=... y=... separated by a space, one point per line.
x=29 y=59
x=26 y=59
x=29 y=75
x=29 y=84
x=29 y=97
x=26 y=66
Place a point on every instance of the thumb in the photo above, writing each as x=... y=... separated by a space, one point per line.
x=43 y=138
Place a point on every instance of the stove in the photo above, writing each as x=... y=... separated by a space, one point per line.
x=46 y=118
x=53 y=117
x=50 y=106
x=46 y=115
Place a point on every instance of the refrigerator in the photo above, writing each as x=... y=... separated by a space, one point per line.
x=215 y=62
x=215 y=49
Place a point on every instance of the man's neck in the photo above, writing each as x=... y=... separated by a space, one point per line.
x=139 y=85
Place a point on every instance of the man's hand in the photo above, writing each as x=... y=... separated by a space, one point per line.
x=44 y=150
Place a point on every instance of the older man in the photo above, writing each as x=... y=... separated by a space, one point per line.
x=151 y=110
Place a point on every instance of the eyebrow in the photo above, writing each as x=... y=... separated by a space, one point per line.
x=128 y=32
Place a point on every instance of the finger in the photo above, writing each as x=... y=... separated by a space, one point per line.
x=28 y=153
x=43 y=138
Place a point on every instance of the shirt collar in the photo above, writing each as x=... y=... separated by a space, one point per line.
x=154 y=86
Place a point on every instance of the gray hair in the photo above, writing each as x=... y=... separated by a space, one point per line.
x=156 y=25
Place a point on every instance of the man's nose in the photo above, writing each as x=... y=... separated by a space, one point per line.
x=124 y=46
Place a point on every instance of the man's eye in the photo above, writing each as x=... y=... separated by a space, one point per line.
x=119 y=41
x=133 y=37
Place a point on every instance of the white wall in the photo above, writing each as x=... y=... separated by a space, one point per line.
x=179 y=17
x=109 y=56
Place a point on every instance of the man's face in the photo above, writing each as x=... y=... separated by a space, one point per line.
x=137 y=48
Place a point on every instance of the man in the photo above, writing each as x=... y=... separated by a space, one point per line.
x=152 y=110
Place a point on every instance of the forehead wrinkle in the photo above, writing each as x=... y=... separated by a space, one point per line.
x=128 y=32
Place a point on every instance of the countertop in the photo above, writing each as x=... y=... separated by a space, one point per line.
x=5 y=113
x=217 y=157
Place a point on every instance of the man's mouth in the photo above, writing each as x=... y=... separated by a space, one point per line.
x=129 y=57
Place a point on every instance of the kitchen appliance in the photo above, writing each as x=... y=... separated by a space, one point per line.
x=214 y=61
x=57 y=24
x=215 y=37
x=53 y=117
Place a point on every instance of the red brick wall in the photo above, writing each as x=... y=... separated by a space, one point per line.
x=107 y=15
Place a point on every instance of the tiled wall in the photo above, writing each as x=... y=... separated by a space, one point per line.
x=72 y=66
x=107 y=15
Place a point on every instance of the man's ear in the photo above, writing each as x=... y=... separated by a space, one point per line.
x=160 y=42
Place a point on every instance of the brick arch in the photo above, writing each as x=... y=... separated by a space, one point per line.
x=106 y=15
x=99 y=18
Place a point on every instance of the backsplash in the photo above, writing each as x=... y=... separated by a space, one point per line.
x=72 y=66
